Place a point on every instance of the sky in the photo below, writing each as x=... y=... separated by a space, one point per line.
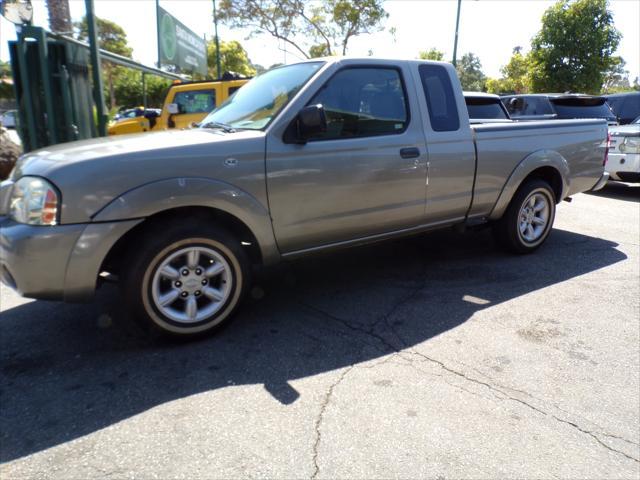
x=488 y=28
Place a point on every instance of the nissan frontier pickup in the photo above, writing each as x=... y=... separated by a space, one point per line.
x=307 y=157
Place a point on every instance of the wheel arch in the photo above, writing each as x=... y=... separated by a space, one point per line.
x=547 y=165
x=176 y=198
x=112 y=261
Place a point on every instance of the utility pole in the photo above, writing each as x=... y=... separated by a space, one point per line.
x=94 y=48
x=215 y=27
x=455 y=41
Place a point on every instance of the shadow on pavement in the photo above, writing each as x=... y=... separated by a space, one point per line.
x=66 y=373
x=619 y=191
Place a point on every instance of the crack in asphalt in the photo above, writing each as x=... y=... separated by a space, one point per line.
x=394 y=351
x=527 y=404
x=320 y=417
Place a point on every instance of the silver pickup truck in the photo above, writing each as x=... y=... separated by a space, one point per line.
x=306 y=157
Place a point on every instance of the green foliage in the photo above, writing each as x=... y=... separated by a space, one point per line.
x=617 y=78
x=304 y=25
x=128 y=89
x=516 y=75
x=320 y=50
x=6 y=81
x=431 y=54
x=469 y=70
x=111 y=36
x=574 y=49
x=233 y=58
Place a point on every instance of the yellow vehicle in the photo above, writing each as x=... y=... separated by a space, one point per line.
x=184 y=104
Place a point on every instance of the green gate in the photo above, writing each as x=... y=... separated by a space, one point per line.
x=52 y=81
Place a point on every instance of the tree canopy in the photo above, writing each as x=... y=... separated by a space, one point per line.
x=574 y=49
x=233 y=58
x=469 y=70
x=311 y=29
x=516 y=75
x=111 y=36
x=431 y=54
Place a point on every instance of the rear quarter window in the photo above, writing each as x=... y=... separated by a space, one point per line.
x=441 y=100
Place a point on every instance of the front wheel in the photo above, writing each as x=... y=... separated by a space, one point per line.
x=528 y=220
x=187 y=280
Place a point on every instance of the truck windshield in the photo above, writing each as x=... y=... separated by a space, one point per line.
x=259 y=101
x=583 y=108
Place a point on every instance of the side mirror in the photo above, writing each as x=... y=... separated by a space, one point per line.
x=173 y=109
x=311 y=122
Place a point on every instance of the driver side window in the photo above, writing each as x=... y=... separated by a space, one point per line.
x=362 y=102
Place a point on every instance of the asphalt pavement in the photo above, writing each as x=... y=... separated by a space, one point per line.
x=437 y=356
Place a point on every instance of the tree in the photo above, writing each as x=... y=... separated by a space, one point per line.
x=574 y=49
x=311 y=28
x=233 y=58
x=469 y=70
x=617 y=78
x=431 y=54
x=113 y=38
x=516 y=75
x=59 y=16
x=6 y=81
x=128 y=89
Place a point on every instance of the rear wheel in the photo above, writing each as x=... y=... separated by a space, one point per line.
x=187 y=280
x=528 y=220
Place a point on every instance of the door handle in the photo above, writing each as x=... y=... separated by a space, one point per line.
x=410 y=152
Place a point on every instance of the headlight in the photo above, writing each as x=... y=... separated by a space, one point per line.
x=630 y=145
x=34 y=201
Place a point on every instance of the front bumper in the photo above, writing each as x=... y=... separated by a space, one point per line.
x=624 y=166
x=33 y=259
x=60 y=262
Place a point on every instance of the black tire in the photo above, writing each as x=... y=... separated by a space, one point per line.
x=158 y=244
x=507 y=231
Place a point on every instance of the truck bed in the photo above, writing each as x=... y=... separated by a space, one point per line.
x=501 y=147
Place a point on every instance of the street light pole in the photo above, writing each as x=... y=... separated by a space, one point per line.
x=215 y=26
x=455 y=41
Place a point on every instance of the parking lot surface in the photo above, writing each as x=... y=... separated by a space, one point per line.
x=437 y=356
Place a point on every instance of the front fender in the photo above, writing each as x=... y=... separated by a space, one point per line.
x=156 y=197
x=533 y=161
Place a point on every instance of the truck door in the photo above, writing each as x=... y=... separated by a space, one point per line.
x=452 y=158
x=364 y=176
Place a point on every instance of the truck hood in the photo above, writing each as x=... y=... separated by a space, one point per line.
x=92 y=173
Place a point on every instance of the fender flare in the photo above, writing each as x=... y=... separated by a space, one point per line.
x=533 y=161
x=163 y=195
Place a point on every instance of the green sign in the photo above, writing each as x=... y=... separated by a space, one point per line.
x=179 y=46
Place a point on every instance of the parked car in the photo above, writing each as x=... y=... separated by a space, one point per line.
x=558 y=106
x=624 y=153
x=485 y=107
x=185 y=103
x=130 y=121
x=323 y=154
x=128 y=113
x=9 y=119
x=626 y=106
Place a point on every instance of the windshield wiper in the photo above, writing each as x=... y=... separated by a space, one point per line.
x=222 y=126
